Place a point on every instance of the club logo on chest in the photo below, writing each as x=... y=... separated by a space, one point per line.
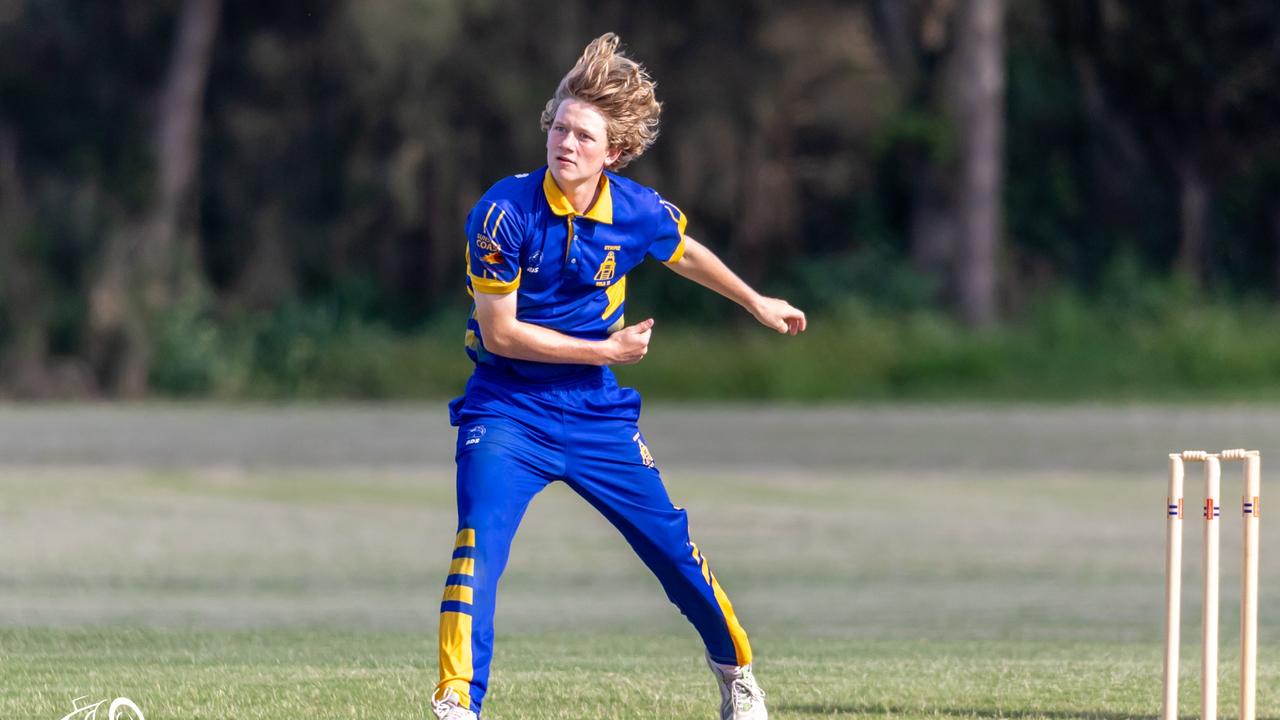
x=608 y=266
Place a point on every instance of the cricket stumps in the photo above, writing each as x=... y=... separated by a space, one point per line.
x=1211 y=512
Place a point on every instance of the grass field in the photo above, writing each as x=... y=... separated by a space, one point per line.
x=888 y=562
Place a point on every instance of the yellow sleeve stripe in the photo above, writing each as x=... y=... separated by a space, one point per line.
x=463 y=566
x=678 y=215
x=460 y=593
x=492 y=286
x=494 y=232
x=466 y=538
x=484 y=225
x=679 y=253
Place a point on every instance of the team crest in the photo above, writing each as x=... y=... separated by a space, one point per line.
x=607 y=268
x=646 y=457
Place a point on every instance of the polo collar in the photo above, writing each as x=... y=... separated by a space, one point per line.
x=601 y=211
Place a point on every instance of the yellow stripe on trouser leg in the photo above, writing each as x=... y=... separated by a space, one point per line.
x=456 y=669
x=740 y=644
x=461 y=593
x=456 y=666
x=706 y=571
x=741 y=647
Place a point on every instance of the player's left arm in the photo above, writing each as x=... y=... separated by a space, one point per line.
x=700 y=265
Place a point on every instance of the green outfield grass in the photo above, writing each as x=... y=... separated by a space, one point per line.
x=281 y=674
x=1012 y=587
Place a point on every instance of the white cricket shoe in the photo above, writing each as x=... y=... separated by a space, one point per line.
x=740 y=697
x=450 y=707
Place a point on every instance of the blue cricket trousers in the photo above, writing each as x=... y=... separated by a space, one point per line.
x=514 y=439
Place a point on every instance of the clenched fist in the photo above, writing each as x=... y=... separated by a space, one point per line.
x=629 y=345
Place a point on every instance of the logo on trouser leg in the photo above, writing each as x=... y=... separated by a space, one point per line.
x=474 y=434
x=646 y=457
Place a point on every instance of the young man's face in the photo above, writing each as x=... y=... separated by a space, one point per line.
x=578 y=144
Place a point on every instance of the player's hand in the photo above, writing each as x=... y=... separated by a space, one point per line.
x=778 y=314
x=629 y=345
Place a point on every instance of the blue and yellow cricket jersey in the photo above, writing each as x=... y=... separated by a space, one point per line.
x=569 y=269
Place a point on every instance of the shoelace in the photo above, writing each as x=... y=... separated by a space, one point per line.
x=447 y=708
x=746 y=692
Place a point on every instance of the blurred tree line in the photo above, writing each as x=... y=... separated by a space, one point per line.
x=179 y=177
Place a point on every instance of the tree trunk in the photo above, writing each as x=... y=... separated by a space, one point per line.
x=979 y=112
x=146 y=261
x=269 y=276
x=932 y=226
x=167 y=257
x=1193 y=213
x=894 y=23
x=769 y=199
x=24 y=359
x=1275 y=234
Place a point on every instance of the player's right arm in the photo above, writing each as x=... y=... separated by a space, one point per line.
x=495 y=235
x=504 y=335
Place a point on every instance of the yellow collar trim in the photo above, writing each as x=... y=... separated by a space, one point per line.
x=601 y=211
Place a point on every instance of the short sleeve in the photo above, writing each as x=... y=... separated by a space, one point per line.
x=493 y=248
x=668 y=237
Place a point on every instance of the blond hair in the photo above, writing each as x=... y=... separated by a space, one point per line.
x=620 y=88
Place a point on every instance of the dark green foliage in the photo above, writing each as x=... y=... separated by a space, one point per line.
x=1142 y=339
x=342 y=144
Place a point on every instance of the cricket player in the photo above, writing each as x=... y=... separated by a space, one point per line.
x=548 y=252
